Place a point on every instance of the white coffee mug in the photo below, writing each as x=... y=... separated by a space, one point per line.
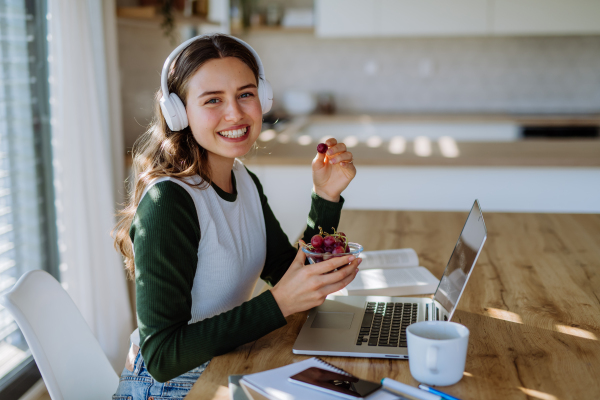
x=437 y=351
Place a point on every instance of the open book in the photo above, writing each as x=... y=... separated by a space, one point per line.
x=391 y=273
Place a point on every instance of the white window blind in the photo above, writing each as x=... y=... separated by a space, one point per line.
x=25 y=220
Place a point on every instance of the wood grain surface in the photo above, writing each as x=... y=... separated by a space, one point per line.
x=532 y=305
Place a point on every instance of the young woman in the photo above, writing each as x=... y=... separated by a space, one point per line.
x=198 y=231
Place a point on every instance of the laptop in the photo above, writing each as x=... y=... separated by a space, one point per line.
x=375 y=326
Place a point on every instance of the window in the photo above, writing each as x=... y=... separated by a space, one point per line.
x=27 y=216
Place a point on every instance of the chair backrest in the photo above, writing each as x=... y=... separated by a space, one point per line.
x=68 y=355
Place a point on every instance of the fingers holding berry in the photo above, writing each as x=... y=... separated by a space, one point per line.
x=336 y=149
x=331 y=142
x=333 y=169
x=344 y=158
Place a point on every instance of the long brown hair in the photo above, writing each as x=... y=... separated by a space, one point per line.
x=161 y=152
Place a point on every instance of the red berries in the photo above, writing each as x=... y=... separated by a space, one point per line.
x=328 y=245
x=338 y=250
x=317 y=241
x=321 y=147
x=328 y=241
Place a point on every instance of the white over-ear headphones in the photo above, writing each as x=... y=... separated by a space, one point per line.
x=171 y=105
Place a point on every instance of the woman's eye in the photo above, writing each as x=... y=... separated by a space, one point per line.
x=247 y=95
x=212 y=101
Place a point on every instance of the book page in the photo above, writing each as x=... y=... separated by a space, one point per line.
x=393 y=282
x=384 y=259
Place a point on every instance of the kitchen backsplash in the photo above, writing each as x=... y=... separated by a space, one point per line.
x=393 y=75
x=510 y=74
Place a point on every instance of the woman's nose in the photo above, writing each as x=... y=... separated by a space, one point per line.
x=233 y=111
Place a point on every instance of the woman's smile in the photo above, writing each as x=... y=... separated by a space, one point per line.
x=236 y=133
x=223 y=108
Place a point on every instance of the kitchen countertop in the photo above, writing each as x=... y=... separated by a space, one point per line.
x=575 y=152
x=525 y=153
x=520 y=119
x=538 y=152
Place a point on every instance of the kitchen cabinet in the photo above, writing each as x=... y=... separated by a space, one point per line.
x=346 y=18
x=376 y=18
x=399 y=18
x=538 y=17
x=432 y=17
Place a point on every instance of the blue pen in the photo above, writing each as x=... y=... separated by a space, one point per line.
x=441 y=394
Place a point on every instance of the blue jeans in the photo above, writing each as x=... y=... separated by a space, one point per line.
x=139 y=384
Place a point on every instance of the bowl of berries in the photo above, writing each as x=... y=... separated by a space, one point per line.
x=324 y=246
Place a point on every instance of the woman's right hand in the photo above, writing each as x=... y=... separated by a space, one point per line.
x=306 y=286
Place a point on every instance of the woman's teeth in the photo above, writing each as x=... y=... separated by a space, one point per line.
x=236 y=133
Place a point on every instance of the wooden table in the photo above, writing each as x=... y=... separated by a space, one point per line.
x=532 y=306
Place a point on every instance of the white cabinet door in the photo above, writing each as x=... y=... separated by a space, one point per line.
x=433 y=17
x=525 y=17
x=370 y=18
x=345 y=18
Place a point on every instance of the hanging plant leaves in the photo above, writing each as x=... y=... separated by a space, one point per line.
x=168 y=23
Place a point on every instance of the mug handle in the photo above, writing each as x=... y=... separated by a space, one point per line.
x=431 y=359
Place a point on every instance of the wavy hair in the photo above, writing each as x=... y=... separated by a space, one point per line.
x=162 y=152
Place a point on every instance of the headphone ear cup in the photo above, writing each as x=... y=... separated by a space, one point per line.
x=168 y=111
x=180 y=109
x=265 y=94
x=174 y=112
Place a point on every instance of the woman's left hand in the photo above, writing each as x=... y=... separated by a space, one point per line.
x=332 y=171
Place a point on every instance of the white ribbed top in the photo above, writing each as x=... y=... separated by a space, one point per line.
x=232 y=249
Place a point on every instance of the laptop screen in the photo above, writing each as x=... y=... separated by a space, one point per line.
x=462 y=261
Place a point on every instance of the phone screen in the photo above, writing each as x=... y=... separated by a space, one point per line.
x=335 y=383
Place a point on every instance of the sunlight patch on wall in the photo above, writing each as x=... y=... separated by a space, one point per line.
x=448 y=147
x=351 y=141
x=422 y=146
x=267 y=135
x=304 y=140
x=284 y=138
x=374 y=141
x=397 y=145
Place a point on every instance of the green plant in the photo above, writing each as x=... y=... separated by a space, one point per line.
x=168 y=23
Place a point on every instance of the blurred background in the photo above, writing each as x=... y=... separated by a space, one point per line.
x=434 y=97
x=440 y=101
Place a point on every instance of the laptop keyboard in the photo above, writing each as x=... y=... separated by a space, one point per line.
x=384 y=324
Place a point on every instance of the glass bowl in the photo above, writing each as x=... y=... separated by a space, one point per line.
x=355 y=250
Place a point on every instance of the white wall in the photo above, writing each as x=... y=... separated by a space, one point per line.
x=459 y=74
x=564 y=190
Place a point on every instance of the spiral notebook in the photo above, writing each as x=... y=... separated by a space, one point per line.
x=274 y=383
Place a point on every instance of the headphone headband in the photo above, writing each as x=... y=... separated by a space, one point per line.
x=167 y=65
x=172 y=107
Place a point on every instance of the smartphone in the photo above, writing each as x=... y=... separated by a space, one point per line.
x=346 y=386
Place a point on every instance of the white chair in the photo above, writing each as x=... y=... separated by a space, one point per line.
x=68 y=355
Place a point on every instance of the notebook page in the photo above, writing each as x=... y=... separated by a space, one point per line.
x=397 y=258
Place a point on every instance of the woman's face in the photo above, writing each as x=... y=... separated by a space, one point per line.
x=223 y=108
